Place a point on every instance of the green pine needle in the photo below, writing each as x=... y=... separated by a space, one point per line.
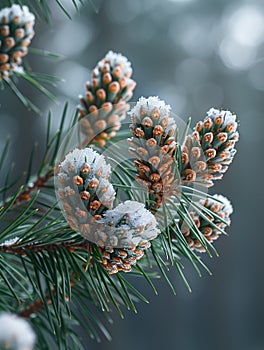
x=42 y=8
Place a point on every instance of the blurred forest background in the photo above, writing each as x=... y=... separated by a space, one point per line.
x=195 y=54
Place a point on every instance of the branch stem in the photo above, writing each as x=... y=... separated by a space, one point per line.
x=31 y=247
x=39 y=183
x=35 y=307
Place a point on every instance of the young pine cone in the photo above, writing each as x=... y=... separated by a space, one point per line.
x=207 y=153
x=104 y=105
x=125 y=233
x=223 y=209
x=16 y=32
x=84 y=190
x=117 y=259
x=153 y=145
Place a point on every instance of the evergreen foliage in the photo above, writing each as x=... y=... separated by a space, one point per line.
x=57 y=278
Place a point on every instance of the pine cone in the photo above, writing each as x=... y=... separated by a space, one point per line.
x=207 y=153
x=153 y=145
x=104 y=106
x=124 y=235
x=84 y=189
x=16 y=32
x=223 y=210
x=116 y=259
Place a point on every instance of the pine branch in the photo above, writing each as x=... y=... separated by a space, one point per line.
x=39 y=183
x=76 y=257
x=52 y=266
x=35 y=307
x=35 y=247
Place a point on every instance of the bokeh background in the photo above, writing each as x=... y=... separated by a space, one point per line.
x=194 y=54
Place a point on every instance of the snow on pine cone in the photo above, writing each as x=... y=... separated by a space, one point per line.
x=207 y=153
x=215 y=225
x=16 y=32
x=104 y=105
x=84 y=190
x=125 y=233
x=129 y=224
x=153 y=145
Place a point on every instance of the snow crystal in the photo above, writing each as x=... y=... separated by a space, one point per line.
x=100 y=165
x=116 y=59
x=78 y=157
x=227 y=205
x=228 y=116
x=108 y=195
x=9 y=242
x=19 y=69
x=131 y=222
x=149 y=104
x=17 y=11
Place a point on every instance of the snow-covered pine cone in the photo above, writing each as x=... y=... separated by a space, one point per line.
x=209 y=150
x=84 y=189
x=125 y=233
x=153 y=145
x=223 y=209
x=104 y=106
x=16 y=32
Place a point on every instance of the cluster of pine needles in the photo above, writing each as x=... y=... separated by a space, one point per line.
x=52 y=273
